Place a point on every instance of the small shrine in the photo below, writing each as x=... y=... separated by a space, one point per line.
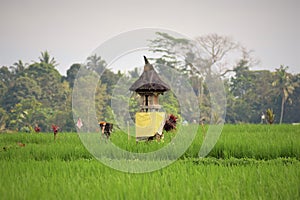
x=150 y=119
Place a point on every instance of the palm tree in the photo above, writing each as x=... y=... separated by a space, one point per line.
x=285 y=85
x=18 y=67
x=46 y=58
x=96 y=63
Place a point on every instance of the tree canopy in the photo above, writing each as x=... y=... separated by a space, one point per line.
x=37 y=94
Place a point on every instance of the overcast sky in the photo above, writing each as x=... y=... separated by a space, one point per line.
x=71 y=30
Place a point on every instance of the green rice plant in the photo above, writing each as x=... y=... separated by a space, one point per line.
x=248 y=162
x=252 y=141
x=239 y=141
x=186 y=179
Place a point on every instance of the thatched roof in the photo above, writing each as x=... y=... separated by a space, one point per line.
x=149 y=81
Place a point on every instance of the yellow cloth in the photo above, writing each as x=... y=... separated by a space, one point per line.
x=149 y=123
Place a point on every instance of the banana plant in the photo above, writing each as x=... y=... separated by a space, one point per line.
x=270 y=116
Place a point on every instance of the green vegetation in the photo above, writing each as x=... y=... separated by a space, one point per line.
x=248 y=162
x=270 y=116
x=37 y=94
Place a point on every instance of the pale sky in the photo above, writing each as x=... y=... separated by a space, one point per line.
x=71 y=30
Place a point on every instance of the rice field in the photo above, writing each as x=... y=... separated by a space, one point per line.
x=248 y=162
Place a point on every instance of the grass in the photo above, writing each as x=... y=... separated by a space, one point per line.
x=89 y=179
x=248 y=162
x=258 y=141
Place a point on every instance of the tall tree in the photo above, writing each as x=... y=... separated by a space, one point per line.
x=292 y=111
x=18 y=67
x=72 y=73
x=110 y=79
x=27 y=113
x=241 y=82
x=135 y=73
x=6 y=76
x=24 y=88
x=46 y=58
x=285 y=86
x=6 y=81
x=174 y=52
x=95 y=63
x=249 y=91
x=49 y=80
x=214 y=48
x=3 y=119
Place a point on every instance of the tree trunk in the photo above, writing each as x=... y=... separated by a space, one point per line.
x=282 y=109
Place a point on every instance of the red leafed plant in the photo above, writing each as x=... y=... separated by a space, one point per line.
x=55 y=130
x=170 y=123
x=37 y=129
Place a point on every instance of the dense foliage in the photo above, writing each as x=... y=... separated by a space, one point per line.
x=37 y=94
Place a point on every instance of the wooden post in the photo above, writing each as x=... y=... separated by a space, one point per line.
x=146 y=102
x=155 y=99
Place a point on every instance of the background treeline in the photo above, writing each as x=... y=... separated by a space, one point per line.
x=37 y=94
